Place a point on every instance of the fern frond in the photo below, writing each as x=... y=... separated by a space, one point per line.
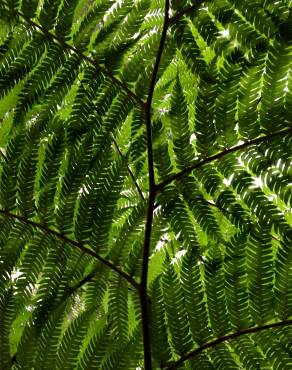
x=175 y=311
x=191 y=278
x=145 y=184
x=118 y=305
x=7 y=313
x=216 y=295
x=72 y=340
x=159 y=336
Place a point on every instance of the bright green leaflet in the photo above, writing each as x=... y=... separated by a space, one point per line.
x=145 y=184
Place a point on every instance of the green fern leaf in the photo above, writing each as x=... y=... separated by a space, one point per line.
x=145 y=184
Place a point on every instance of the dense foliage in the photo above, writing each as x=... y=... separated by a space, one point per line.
x=145 y=194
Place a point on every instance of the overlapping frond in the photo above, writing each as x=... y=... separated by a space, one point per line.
x=145 y=184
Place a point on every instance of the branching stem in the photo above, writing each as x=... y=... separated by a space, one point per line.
x=74 y=243
x=220 y=155
x=84 y=57
x=129 y=171
x=151 y=200
x=139 y=190
x=187 y=356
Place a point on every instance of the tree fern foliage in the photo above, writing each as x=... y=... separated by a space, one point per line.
x=145 y=184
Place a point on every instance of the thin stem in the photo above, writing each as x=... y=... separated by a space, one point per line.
x=152 y=193
x=220 y=155
x=74 y=243
x=129 y=171
x=118 y=150
x=189 y=10
x=187 y=356
x=84 y=281
x=278 y=240
x=2 y=155
x=82 y=56
x=217 y=206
